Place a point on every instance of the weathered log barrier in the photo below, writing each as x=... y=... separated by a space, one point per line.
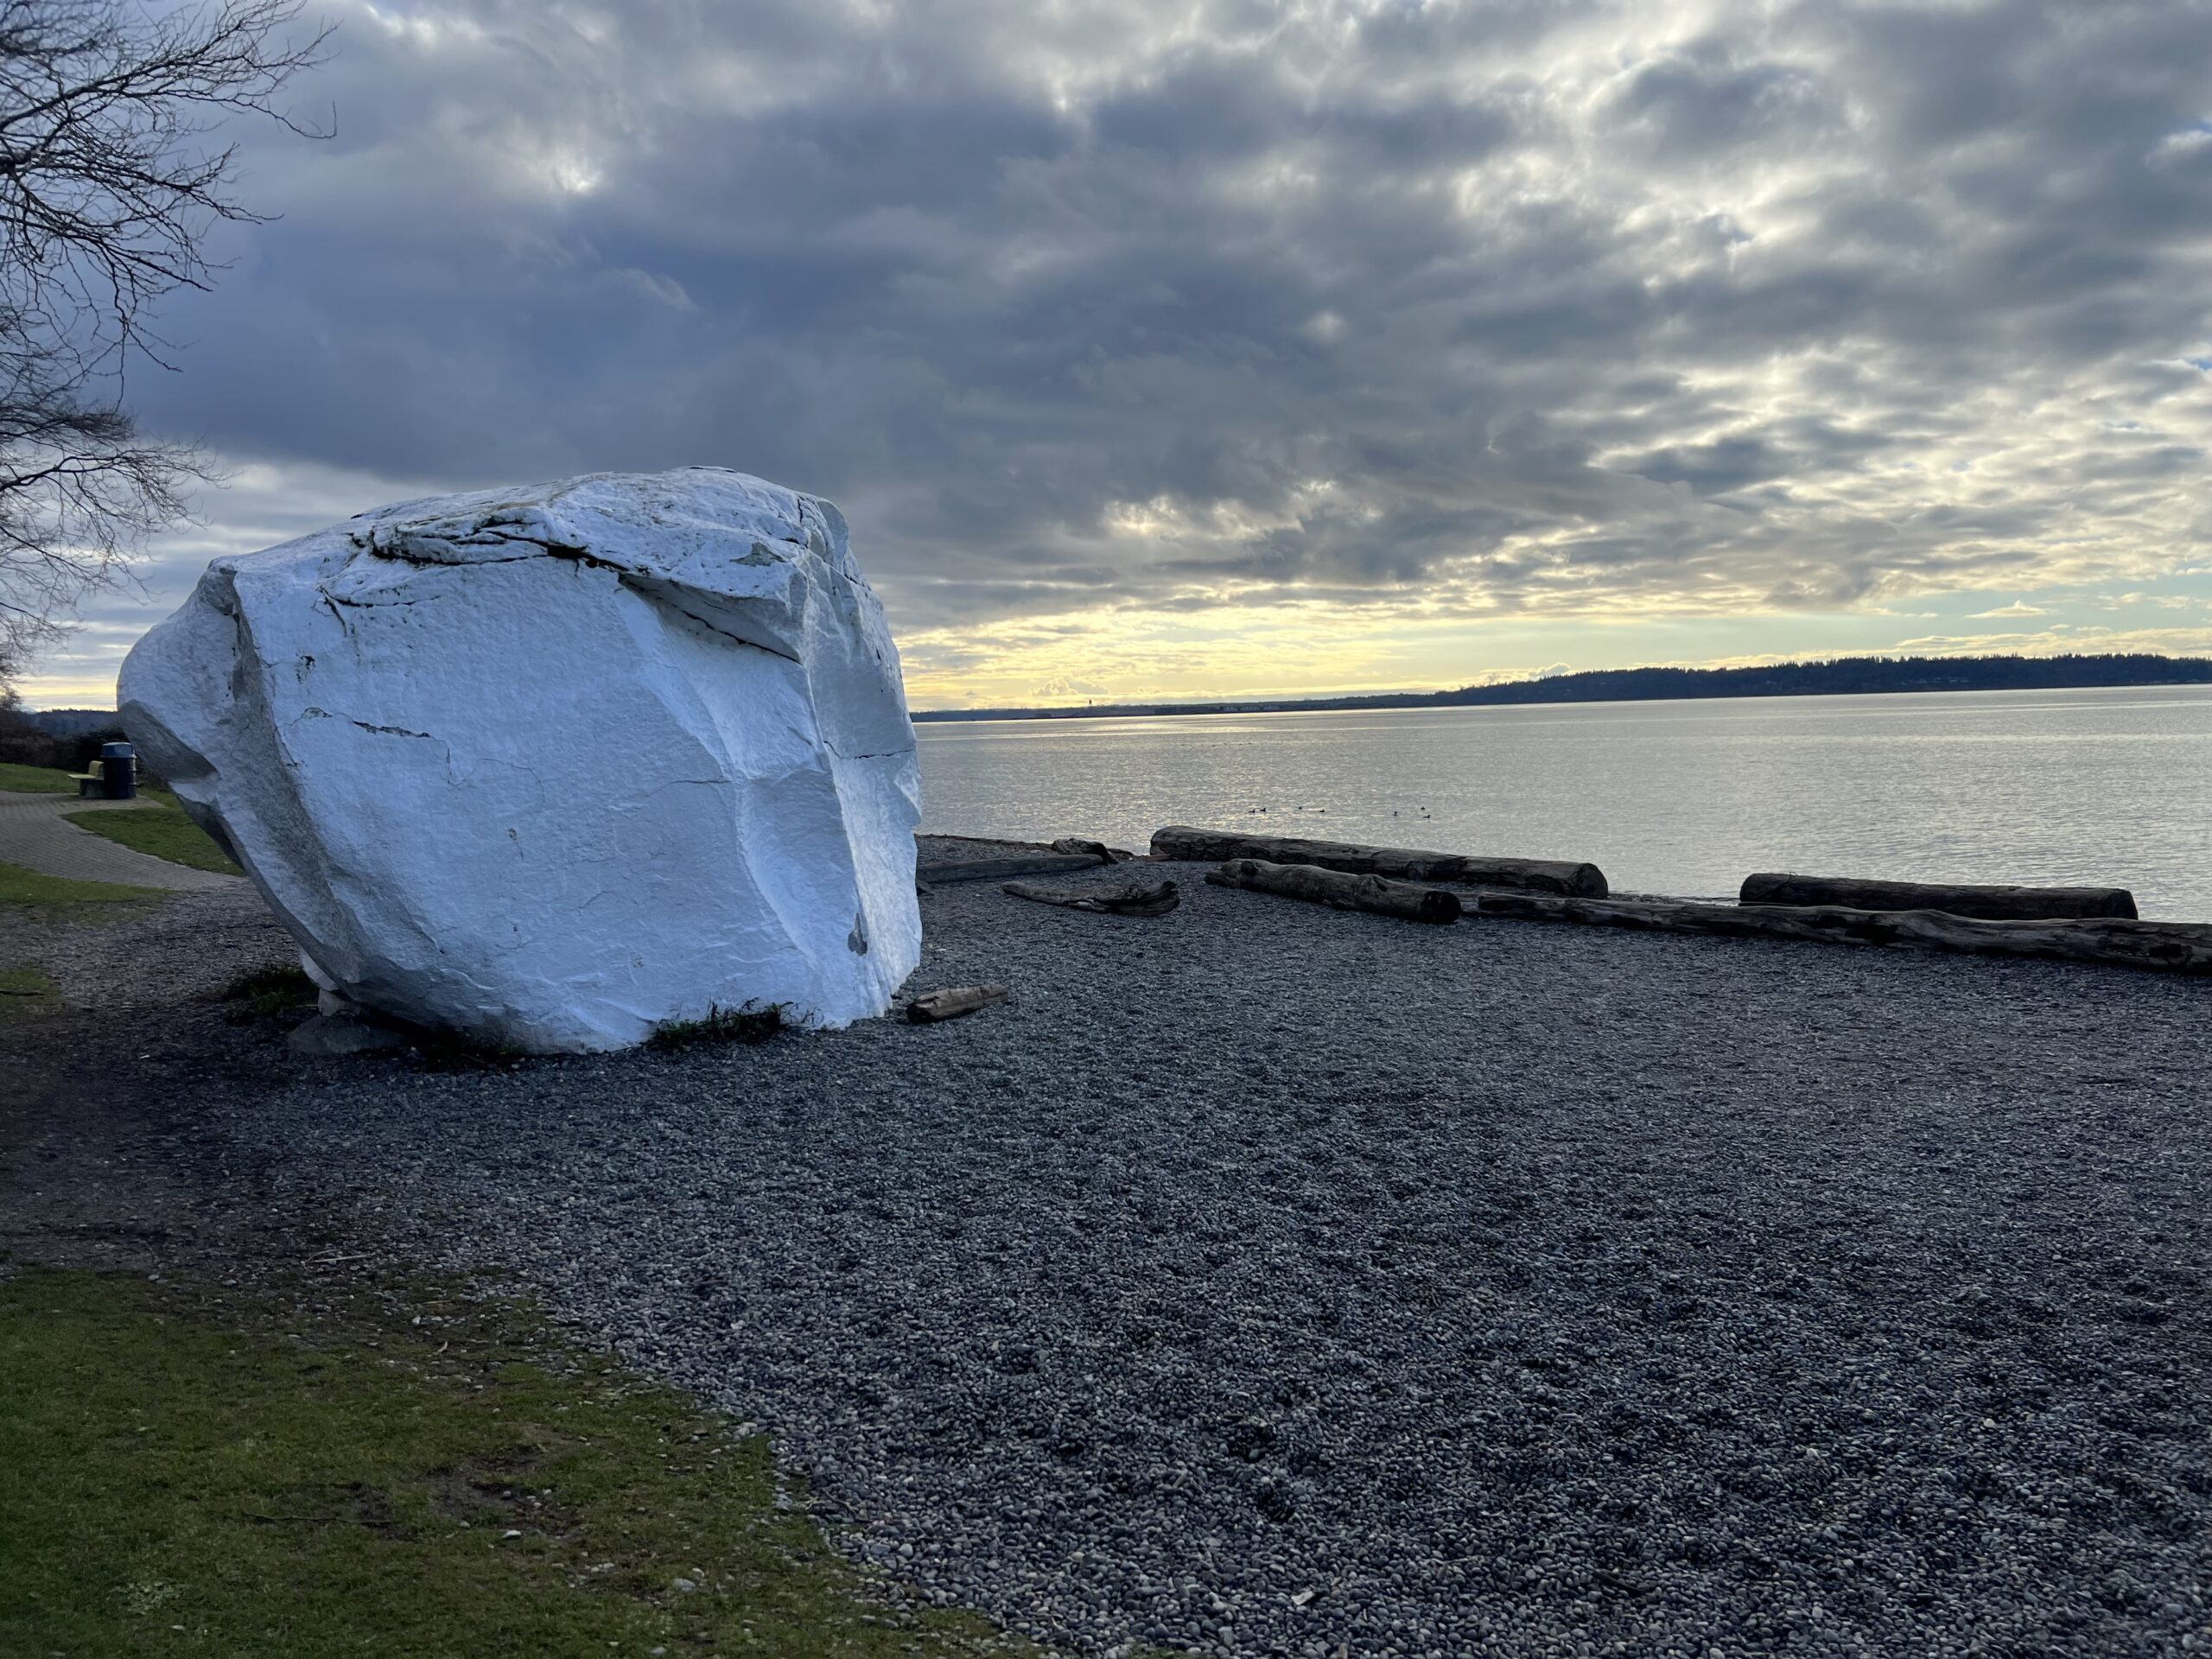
x=1131 y=899
x=1985 y=904
x=1182 y=842
x=1095 y=849
x=2172 y=947
x=997 y=869
x=1320 y=886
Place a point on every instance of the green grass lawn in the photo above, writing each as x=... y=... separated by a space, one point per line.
x=392 y=1471
x=55 y=897
x=36 y=780
x=162 y=829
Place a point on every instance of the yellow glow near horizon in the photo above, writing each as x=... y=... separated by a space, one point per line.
x=1310 y=650
x=1233 y=652
x=1232 y=636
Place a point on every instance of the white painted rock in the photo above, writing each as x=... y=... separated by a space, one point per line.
x=553 y=766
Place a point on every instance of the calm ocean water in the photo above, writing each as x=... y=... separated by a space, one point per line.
x=2105 y=786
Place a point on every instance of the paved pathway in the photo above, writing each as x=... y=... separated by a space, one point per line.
x=33 y=833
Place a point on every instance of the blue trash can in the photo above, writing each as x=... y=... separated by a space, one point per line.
x=118 y=772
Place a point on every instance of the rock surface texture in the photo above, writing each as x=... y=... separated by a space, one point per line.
x=551 y=767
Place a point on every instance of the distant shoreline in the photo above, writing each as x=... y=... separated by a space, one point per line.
x=1840 y=676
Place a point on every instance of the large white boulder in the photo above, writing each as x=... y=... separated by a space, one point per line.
x=551 y=767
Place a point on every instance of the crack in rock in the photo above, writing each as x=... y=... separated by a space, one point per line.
x=391 y=731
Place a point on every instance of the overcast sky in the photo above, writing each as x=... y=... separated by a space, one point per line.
x=1226 y=348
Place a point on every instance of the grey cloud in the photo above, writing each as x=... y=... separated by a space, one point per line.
x=1521 y=303
x=1704 y=99
x=1724 y=465
x=1794 y=449
x=2184 y=154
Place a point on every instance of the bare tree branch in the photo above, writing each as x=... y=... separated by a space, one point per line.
x=109 y=186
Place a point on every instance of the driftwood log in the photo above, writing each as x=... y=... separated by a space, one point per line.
x=1181 y=842
x=2173 y=947
x=1095 y=849
x=953 y=1002
x=1340 y=888
x=1131 y=899
x=998 y=870
x=1986 y=904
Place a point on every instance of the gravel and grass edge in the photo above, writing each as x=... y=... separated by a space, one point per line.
x=390 y=1465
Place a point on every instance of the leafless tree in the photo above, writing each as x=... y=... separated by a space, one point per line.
x=109 y=182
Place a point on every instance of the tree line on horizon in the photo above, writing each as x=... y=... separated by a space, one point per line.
x=1848 y=675
x=63 y=732
x=1833 y=676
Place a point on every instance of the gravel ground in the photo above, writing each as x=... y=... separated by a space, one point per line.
x=106 y=1160
x=188 y=947
x=1265 y=1279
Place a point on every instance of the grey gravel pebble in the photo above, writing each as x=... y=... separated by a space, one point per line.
x=1266 y=1280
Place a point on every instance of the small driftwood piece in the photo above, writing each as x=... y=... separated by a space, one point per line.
x=1095 y=849
x=1986 y=904
x=1340 y=889
x=998 y=870
x=1131 y=899
x=1181 y=842
x=2171 y=947
x=952 y=1001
